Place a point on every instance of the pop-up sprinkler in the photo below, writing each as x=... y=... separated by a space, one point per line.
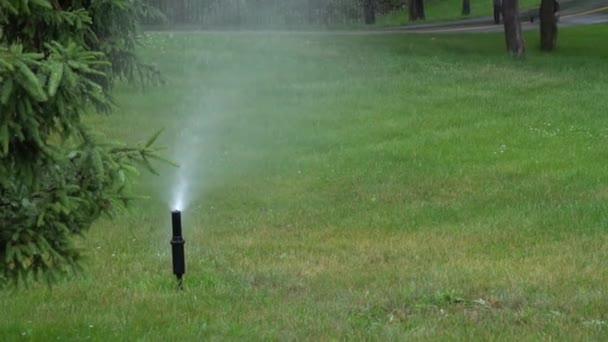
x=177 y=247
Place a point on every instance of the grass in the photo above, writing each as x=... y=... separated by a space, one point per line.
x=445 y=10
x=378 y=187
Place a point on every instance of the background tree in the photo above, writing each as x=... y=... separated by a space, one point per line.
x=56 y=176
x=548 y=25
x=369 y=11
x=497 y=10
x=180 y=10
x=416 y=9
x=466 y=7
x=269 y=13
x=513 y=34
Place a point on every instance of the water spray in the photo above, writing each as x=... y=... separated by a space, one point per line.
x=177 y=247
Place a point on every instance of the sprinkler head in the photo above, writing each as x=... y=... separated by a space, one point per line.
x=177 y=246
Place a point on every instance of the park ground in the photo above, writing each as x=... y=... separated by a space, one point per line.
x=448 y=13
x=382 y=187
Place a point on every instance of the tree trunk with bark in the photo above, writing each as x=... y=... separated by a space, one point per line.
x=369 y=11
x=466 y=7
x=416 y=9
x=412 y=11
x=513 y=35
x=497 y=4
x=420 y=7
x=548 y=25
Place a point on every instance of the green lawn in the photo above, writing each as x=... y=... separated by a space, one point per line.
x=378 y=187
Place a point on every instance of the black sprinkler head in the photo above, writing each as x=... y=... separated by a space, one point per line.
x=177 y=246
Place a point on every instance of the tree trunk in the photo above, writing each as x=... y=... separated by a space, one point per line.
x=466 y=7
x=420 y=8
x=514 y=38
x=369 y=12
x=548 y=25
x=416 y=9
x=497 y=11
x=413 y=12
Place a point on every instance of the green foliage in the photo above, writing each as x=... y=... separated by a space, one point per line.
x=56 y=177
x=107 y=26
x=116 y=34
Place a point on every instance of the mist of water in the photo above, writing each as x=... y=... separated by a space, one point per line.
x=209 y=124
x=265 y=13
x=192 y=144
x=187 y=153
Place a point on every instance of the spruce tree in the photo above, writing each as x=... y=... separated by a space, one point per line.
x=58 y=60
